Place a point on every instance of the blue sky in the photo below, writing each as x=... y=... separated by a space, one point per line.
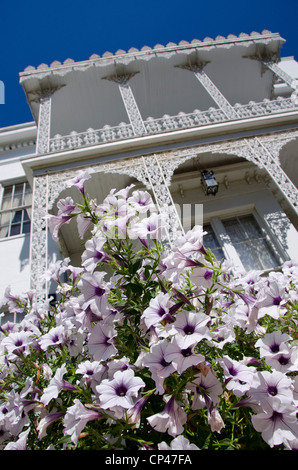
x=34 y=32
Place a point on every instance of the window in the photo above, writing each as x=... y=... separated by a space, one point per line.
x=244 y=240
x=211 y=241
x=15 y=317
x=15 y=210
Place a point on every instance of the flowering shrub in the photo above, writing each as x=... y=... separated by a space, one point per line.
x=148 y=347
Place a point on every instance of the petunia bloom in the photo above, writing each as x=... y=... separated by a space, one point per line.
x=179 y=443
x=100 y=342
x=55 y=386
x=171 y=419
x=76 y=418
x=93 y=288
x=158 y=366
x=181 y=354
x=278 y=422
x=158 y=310
x=119 y=391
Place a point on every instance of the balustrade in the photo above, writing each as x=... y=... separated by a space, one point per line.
x=169 y=123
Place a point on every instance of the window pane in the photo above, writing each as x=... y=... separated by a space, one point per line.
x=18 y=195
x=4 y=224
x=26 y=227
x=250 y=226
x=28 y=195
x=17 y=217
x=15 y=229
x=251 y=243
x=15 y=222
x=210 y=241
x=4 y=231
x=234 y=230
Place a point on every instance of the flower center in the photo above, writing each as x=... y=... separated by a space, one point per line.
x=276 y=300
x=274 y=347
x=99 y=291
x=272 y=390
x=189 y=329
x=232 y=371
x=208 y=275
x=161 y=311
x=164 y=363
x=121 y=391
x=186 y=352
x=283 y=360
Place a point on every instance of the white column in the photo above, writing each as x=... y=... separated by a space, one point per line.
x=212 y=90
x=158 y=183
x=39 y=237
x=274 y=67
x=268 y=156
x=44 y=123
x=130 y=103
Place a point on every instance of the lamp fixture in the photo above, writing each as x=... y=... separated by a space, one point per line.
x=209 y=182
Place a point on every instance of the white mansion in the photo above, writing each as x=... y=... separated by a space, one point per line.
x=158 y=117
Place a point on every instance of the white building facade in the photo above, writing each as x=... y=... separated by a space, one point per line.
x=158 y=117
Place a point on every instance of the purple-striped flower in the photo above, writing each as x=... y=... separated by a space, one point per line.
x=119 y=391
x=277 y=423
x=181 y=354
x=158 y=310
x=76 y=418
x=171 y=419
x=94 y=289
x=56 y=385
x=100 y=343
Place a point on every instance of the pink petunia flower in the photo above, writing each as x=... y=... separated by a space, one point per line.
x=239 y=377
x=55 y=337
x=79 y=180
x=17 y=343
x=207 y=389
x=94 y=253
x=93 y=288
x=272 y=384
x=191 y=325
x=158 y=366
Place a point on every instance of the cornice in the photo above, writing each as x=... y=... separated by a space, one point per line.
x=146 y=52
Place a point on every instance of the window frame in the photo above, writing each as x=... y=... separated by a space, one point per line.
x=12 y=210
x=227 y=245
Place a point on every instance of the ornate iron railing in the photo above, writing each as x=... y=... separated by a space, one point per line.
x=169 y=123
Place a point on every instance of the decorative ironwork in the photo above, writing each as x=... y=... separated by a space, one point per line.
x=170 y=123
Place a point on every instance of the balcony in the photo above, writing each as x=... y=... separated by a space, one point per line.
x=169 y=123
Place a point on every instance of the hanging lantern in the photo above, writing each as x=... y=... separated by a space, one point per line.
x=209 y=182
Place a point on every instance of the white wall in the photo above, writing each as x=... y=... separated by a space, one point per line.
x=14 y=264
